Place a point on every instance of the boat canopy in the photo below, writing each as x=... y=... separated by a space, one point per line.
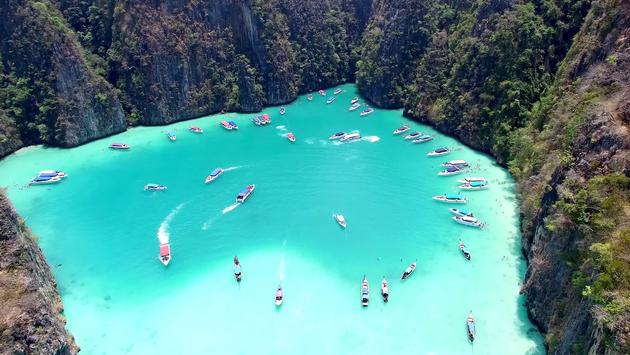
x=171 y=133
x=478 y=183
x=165 y=249
x=47 y=174
x=216 y=172
x=452 y=169
x=441 y=150
x=454 y=197
x=244 y=192
x=42 y=178
x=265 y=116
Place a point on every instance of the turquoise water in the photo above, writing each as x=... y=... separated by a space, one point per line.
x=99 y=231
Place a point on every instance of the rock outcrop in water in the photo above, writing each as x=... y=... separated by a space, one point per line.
x=30 y=308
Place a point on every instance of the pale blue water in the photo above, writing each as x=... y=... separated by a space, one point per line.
x=99 y=229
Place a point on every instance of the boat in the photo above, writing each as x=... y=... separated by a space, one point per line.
x=340 y=219
x=408 y=271
x=384 y=290
x=351 y=136
x=330 y=100
x=422 y=139
x=468 y=221
x=470 y=327
x=322 y=92
x=291 y=136
x=413 y=135
x=451 y=170
x=172 y=136
x=472 y=179
x=238 y=274
x=226 y=125
x=475 y=185
x=165 y=253
x=354 y=100
x=52 y=173
x=337 y=91
x=402 y=129
x=265 y=118
x=366 y=112
x=45 y=180
x=461 y=213
x=214 y=174
x=244 y=194
x=365 y=292
x=438 y=152
x=119 y=146
x=464 y=251
x=457 y=163
x=309 y=97
x=282 y=110
x=154 y=187
x=279 y=296
x=233 y=124
x=451 y=198
x=257 y=121
x=337 y=135
x=354 y=106
x=195 y=129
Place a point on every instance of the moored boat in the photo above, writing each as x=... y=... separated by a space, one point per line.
x=365 y=292
x=52 y=173
x=337 y=135
x=266 y=118
x=236 y=268
x=422 y=139
x=282 y=110
x=470 y=327
x=464 y=251
x=195 y=129
x=214 y=174
x=457 y=163
x=402 y=129
x=384 y=290
x=451 y=198
x=408 y=271
x=475 y=185
x=439 y=152
x=468 y=221
x=366 y=112
x=119 y=146
x=45 y=180
x=291 y=136
x=322 y=92
x=165 y=253
x=257 y=121
x=451 y=170
x=330 y=100
x=172 y=136
x=467 y=180
x=340 y=220
x=154 y=187
x=309 y=97
x=461 y=213
x=354 y=100
x=351 y=136
x=233 y=124
x=354 y=106
x=413 y=135
x=226 y=125
x=337 y=92
x=279 y=296
x=245 y=193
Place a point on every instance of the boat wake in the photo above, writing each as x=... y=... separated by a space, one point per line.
x=309 y=141
x=371 y=139
x=229 y=208
x=282 y=128
x=163 y=233
x=281 y=267
x=232 y=168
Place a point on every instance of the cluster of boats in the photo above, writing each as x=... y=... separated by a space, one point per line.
x=46 y=177
x=345 y=137
x=365 y=286
x=415 y=137
x=229 y=125
x=262 y=120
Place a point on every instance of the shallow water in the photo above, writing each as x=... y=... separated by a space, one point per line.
x=100 y=232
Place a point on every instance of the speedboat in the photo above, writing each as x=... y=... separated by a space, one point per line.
x=470 y=326
x=330 y=100
x=119 y=146
x=472 y=179
x=408 y=271
x=266 y=118
x=291 y=136
x=282 y=110
x=451 y=170
x=196 y=129
x=354 y=100
x=154 y=187
x=384 y=290
x=468 y=221
x=475 y=185
x=226 y=125
x=402 y=129
x=172 y=136
x=244 y=194
x=340 y=219
x=233 y=124
x=365 y=292
x=309 y=97
x=457 y=163
x=422 y=139
x=413 y=135
x=461 y=213
x=279 y=296
x=354 y=106
x=44 y=180
x=451 y=198
x=322 y=92
x=52 y=173
x=351 y=136
x=165 y=253
x=214 y=174
x=337 y=91
x=257 y=121
x=238 y=274
x=337 y=135
x=438 y=152
x=464 y=251
x=366 y=112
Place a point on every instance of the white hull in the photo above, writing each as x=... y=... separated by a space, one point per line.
x=471 y=179
x=471 y=223
x=441 y=199
x=434 y=154
x=448 y=173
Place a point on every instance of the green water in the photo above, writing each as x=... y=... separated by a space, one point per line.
x=99 y=231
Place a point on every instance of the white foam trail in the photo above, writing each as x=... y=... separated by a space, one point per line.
x=371 y=139
x=309 y=141
x=232 y=168
x=282 y=128
x=163 y=233
x=230 y=208
x=281 y=268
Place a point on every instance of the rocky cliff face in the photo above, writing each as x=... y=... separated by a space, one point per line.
x=30 y=308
